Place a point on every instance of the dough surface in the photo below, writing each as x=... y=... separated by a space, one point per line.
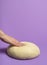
x=28 y=51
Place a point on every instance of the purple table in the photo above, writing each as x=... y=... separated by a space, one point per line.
x=25 y=20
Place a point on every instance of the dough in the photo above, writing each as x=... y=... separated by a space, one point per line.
x=28 y=51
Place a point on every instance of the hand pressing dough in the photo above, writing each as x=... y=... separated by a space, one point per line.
x=28 y=51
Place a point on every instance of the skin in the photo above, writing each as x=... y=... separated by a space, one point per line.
x=8 y=39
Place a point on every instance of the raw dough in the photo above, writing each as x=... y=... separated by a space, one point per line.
x=29 y=50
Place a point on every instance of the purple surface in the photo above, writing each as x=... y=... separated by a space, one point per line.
x=25 y=20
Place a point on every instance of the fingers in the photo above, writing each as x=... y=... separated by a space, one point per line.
x=1 y=33
x=9 y=39
x=18 y=44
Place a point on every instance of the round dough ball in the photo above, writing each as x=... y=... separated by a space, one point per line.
x=28 y=51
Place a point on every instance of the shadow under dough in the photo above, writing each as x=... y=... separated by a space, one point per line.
x=3 y=50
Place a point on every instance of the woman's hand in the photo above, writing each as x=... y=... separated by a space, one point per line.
x=8 y=39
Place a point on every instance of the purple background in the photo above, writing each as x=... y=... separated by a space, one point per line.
x=25 y=20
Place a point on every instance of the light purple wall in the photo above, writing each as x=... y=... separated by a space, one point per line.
x=26 y=20
x=0 y=12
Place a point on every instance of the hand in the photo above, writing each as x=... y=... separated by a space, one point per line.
x=18 y=44
x=9 y=39
x=1 y=33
